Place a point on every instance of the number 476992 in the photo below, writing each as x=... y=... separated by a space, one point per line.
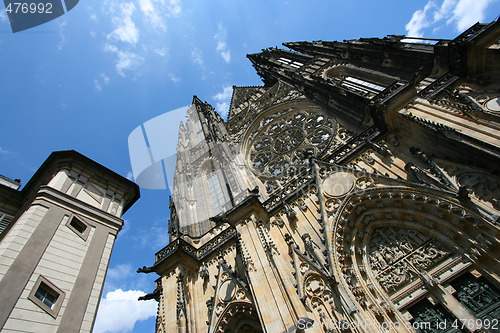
x=29 y=8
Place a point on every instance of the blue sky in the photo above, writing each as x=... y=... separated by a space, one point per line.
x=85 y=80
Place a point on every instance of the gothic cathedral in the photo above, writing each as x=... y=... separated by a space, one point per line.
x=357 y=190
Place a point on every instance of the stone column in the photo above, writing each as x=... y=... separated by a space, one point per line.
x=276 y=312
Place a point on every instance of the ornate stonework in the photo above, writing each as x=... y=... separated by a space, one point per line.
x=353 y=193
x=398 y=255
x=282 y=141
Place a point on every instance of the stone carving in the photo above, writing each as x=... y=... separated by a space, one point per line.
x=316 y=290
x=303 y=183
x=397 y=255
x=181 y=299
x=491 y=104
x=287 y=138
x=245 y=255
x=198 y=254
x=438 y=86
x=331 y=205
x=302 y=205
x=231 y=300
x=482 y=185
x=278 y=220
x=267 y=241
x=227 y=291
x=312 y=249
x=204 y=271
x=290 y=213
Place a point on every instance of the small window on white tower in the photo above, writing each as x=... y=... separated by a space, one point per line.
x=79 y=227
x=47 y=296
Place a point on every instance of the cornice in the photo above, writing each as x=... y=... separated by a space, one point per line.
x=50 y=194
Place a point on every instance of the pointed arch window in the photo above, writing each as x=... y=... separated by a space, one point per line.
x=216 y=193
x=199 y=130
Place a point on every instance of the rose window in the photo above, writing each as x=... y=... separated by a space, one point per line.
x=288 y=140
x=285 y=140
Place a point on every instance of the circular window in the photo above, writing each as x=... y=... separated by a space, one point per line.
x=288 y=140
x=283 y=140
x=493 y=104
x=339 y=184
x=227 y=290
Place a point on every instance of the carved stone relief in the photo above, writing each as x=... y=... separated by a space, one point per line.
x=317 y=290
x=285 y=139
x=231 y=301
x=486 y=187
x=397 y=255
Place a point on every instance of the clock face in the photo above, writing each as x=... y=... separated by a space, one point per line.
x=284 y=140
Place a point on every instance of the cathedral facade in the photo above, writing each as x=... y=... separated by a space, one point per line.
x=357 y=190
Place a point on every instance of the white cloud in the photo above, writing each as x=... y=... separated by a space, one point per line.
x=223 y=51
x=222 y=100
x=446 y=8
x=419 y=21
x=130 y=175
x=174 y=7
x=174 y=78
x=125 y=61
x=97 y=85
x=468 y=12
x=120 y=310
x=155 y=10
x=127 y=39
x=126 y=31
x=222 y=48
x=460 y=13
x=152 y=14
x=60 y=45
x=161 y=52
x=3 y=151
x=3 y=16
x=197 y=57
x=105 y=78
x=110 y=48
x=102 y=79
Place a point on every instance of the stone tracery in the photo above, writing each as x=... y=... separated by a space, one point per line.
x=285 y=139
x=397 y=255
